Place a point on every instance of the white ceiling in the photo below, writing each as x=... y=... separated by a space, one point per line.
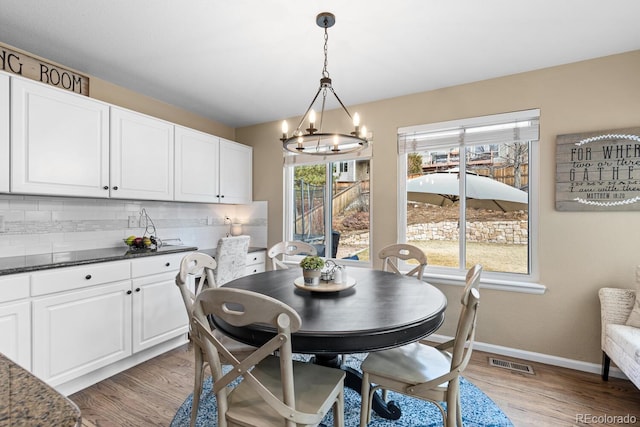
x=243 y=62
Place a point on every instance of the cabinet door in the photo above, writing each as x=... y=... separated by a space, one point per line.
x=141 y=156
x=196 y=174
x=236 y=172
x=59 y=142
x=77 y=332
x=159 y=313
x=15 y=332
x=4 y=133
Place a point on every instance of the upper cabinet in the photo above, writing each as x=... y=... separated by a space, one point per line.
x=54 y=142
x=4 y=133
x=235 y=172
x=141 y=156
x=197 y=169
x=59 y=142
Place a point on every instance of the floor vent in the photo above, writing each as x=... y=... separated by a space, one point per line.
x=514 y=366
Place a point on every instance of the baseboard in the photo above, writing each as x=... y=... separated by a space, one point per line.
x=103 y=373
x=532 y=356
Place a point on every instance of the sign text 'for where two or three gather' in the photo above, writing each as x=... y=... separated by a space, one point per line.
x=598 y=170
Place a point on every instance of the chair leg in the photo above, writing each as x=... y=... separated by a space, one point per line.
x=365 y=406
x=338 y=411
x=197 y=383
x=452 y=404
x=606 y=362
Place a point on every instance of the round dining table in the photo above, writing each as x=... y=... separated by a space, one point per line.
x=376 y=310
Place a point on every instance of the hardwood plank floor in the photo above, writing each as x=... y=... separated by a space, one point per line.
x=149 y=394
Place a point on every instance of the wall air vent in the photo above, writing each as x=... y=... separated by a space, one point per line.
x=514 y=366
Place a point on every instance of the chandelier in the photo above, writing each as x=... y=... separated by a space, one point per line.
x=315 y=141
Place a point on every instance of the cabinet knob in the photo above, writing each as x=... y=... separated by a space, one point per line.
x=167 y=264
x=88 y=277
x=222 y=196
x=115 y=187
x=106 y=187
x=137 y=289
x=129 y=292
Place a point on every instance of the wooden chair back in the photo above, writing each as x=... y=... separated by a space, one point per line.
x=402 y=251
x=239 y=307
x=293 y=247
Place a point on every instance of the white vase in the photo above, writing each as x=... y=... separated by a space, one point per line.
x=311 y=277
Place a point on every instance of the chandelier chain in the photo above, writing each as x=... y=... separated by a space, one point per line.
x=325 y=72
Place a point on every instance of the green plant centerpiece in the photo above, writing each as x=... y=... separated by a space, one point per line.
x=311 y=269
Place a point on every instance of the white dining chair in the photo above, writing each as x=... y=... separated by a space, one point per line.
x=285 y=248
x=392 y=254
x=275 y=390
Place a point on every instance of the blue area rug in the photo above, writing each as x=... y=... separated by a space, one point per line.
x=478 y=410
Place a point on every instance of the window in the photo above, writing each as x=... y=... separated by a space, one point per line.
x=468 y=194
x=327 y=203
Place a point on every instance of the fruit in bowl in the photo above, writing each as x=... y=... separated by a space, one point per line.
x=137 y=242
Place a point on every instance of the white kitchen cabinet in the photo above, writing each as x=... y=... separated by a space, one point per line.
x=236 y=172
x=77 y=332
x=158 y=310
x=59 y=142
x=90 y=317
x=256 y=262
x=197 y=155
x=15 y=319
x=4 y=133
x=142 y=156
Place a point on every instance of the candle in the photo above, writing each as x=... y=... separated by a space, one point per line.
x=285 y=129
x=335 y=143
x=312 y=119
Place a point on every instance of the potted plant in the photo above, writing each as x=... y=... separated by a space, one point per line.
x=311 y=266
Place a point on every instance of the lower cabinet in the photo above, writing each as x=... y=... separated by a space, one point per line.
x=15 y=319
x=256 y=262
x=96 y=322
x=77 y=332
x=15 y=330
x=158 y=311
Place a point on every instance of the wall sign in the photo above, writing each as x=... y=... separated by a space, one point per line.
x=598 y=171
x=15 y=62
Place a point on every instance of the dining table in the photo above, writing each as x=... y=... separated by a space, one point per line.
x=371 y=310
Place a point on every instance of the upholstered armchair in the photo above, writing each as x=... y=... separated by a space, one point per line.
x=620 y=338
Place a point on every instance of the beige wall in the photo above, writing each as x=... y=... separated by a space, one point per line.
x=117 y=95
x=579 y=252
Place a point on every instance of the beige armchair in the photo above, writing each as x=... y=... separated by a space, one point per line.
x=620 y=342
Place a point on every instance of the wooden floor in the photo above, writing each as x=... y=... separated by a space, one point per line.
x=149 y=394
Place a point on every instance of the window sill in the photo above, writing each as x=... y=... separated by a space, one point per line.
x=488 y=283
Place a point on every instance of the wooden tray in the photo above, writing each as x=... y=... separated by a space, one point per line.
x=325 y=286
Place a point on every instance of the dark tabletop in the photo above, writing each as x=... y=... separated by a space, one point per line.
x=383 y=310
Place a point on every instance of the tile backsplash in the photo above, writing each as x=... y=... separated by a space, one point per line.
x=38 y=224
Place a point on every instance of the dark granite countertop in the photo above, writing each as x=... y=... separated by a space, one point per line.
x=27 y=263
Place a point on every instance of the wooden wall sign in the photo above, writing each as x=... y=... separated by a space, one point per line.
x=25 y=65
x=598 y=171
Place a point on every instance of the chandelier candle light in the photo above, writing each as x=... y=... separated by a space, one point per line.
x=314 y=141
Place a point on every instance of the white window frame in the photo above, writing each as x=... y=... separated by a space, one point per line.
x=526 y=283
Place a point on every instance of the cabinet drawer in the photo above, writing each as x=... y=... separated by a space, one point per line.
x=14 y=287
x=65 y=279
x=156 y=264
x=258 y=257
